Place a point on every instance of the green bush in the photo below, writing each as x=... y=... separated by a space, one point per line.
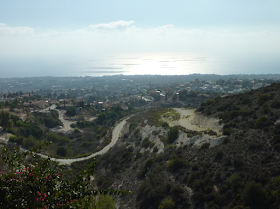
x=164 y=124
x=172 y=134
x=76 y=130
x=71 y=111
x=86 y=144
x=277 y=128
x=260 y=123
x=219 y=155
x=144 y=169
x=226 y=131
x=254 y=195
x=132 y=125
x=167 y=203
x=264 y=98
x=84 y=124
x=223 y=107
x=253 y=146
x=225 y=140
x=30 y=129
x=41 y=185
x=237 y=162
x=275 y=104
x=16 y=139
x=62 y=151
x=205 y=146
x=147 y=143
x=176 y=164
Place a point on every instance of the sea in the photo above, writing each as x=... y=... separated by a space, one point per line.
x=140 y=64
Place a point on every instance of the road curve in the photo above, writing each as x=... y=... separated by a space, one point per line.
x=115 y=136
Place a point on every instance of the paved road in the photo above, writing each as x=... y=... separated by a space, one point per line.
x=115 y=136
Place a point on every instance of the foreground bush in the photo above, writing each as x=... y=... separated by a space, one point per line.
x=41 y=185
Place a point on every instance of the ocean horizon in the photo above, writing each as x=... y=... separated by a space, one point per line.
x=140 y=64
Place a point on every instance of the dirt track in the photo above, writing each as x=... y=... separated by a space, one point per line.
x=115 y=136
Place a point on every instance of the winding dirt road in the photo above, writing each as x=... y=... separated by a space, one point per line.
x=115 y=136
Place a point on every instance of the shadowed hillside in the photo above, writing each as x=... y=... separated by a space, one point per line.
x=241 y=172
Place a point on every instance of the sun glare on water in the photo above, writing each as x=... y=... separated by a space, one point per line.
x=155 y=66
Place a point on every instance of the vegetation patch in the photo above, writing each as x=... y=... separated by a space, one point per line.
x=171 y=114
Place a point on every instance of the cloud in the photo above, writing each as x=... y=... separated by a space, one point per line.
x=6 y=30
x=118 y=25
x=126 y=38
x=101 y=68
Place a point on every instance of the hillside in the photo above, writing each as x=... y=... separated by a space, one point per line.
x=175 y=167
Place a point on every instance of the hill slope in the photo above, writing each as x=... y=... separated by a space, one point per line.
x=241 y=171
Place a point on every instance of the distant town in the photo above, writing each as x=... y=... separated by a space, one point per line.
x=142 y=91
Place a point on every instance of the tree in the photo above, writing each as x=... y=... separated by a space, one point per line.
x=41 y=185
x=5 y=120
x=62 y=151
x=172 y=134
x=71 y=111
x=102 y=117
x=81 y=103
x=254 y=195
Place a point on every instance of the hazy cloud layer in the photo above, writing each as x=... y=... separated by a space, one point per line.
x=119 y=25
x=5 y=30
x=124 y=37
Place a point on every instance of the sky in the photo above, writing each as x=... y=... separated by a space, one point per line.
x=67 y=37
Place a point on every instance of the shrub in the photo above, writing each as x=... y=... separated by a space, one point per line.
x=176 y=164
x=16 y=139
x=144 y=169
x=237 y=162
x=40 y=185
x=76 y=130
x=19 y=123
x=62 y=151
x=223 y=107
x=264 y=98
x=253 y=146
x=209 y=101
x=155 y=149
x=225 y=140
x=219 y=155
x=245 y=100
x=226 y=131
x=260 y=123
x=86 y=144
x=275 y=104
x=277 y=128
x=254 y=195
x=71 y=111
x=172 y=134
x=275 y=140
x=205 y=145
x=167 y=203
x=147 y=143
x=164 y=124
